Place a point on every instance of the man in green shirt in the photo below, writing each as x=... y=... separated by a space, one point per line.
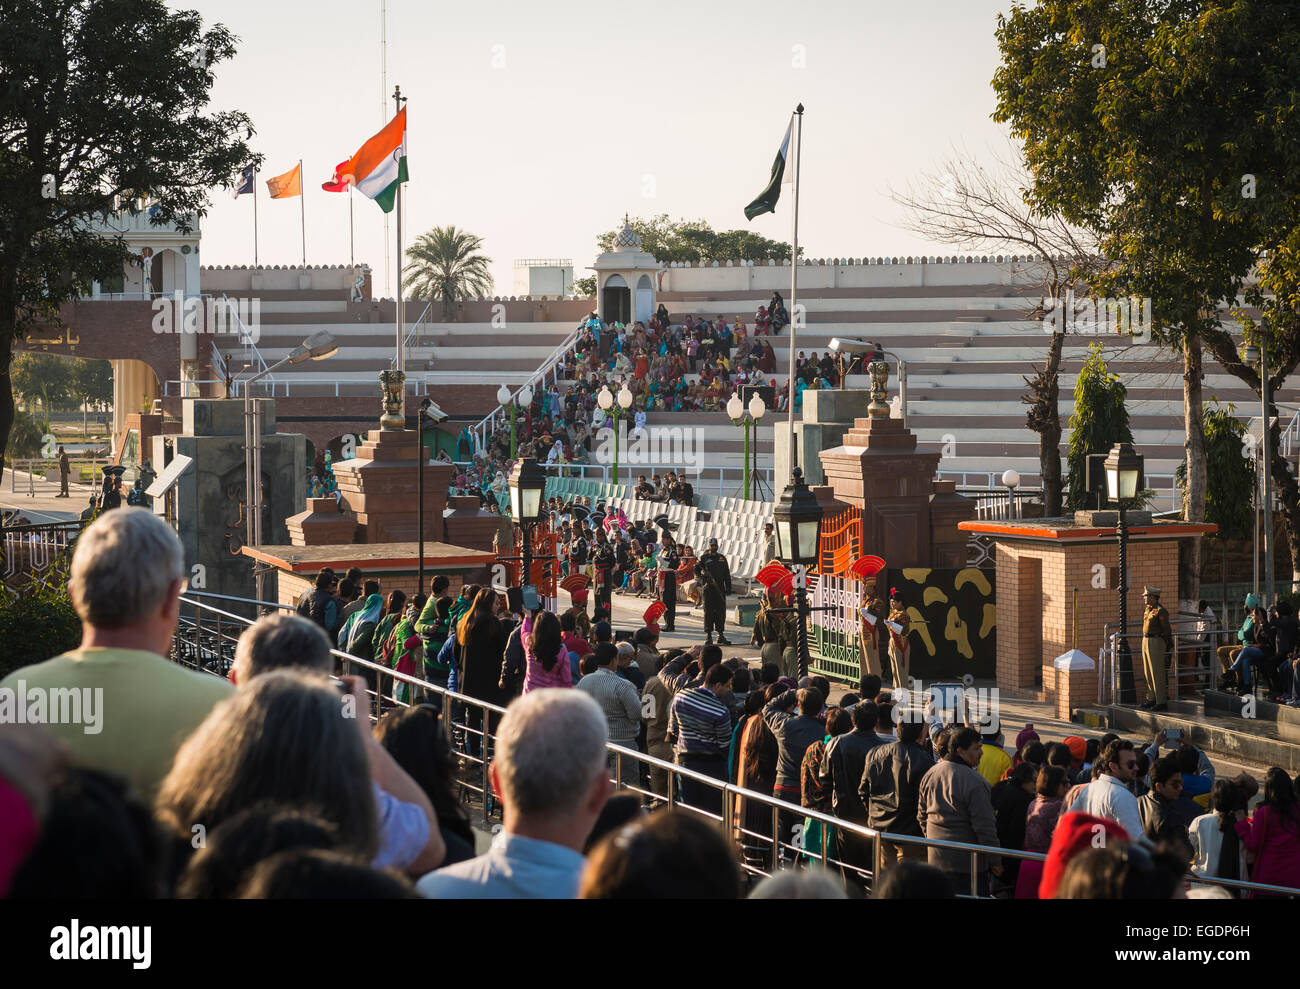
x=115 y=701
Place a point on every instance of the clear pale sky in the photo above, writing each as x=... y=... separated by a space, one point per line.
x=536 y=126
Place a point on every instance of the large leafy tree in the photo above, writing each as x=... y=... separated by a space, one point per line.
x=446 y=263
x=1168 y=128
x=101 y=102
x=91 y=383
x=1098 y=422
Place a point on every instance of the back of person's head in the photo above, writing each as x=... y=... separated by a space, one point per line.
x=1163 y=770
x=1227 y=797
x=669 y=855
x=769 y=673
x=811 y=701
x=849 y=700
x=125 y=565
x=740 y=680
x=864 y=716
x=233 y=849
x=1035 y=752
x=838 y=722
x=98 y=841
x=550 y=751
x=909 y=732
x=1187 y=758
x=1283 y=609
x=440 y=584
x=347 y=589
x=1122 y=871
x=416 y=739
x=281 y=641
x=709 y=655
x=1090 y=749
x=1025 y=772
x=943 y=743
x=963 y=738
x=644 y=636
x=869 y=686
x=909 y=880
x=824 y=685
x=287 y=737
x=800 y=884
x=567 y=622
x=1280 y=796
x=317 y=874
x=1058 y=754
x=604 y=631
x=885 y=717
x=353 y=574
x=324 y=580
x=588 y=664
x=546 y=640
x=718 y=675
x=606 y=653
x=620 y=809
x=1106 y=739
x=370 y=587
x=1050 y=779
x=754 y=701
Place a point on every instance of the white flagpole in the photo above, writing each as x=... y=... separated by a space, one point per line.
x=794 y=290
x=255 y=264
x=302 y=202
x=397 y=209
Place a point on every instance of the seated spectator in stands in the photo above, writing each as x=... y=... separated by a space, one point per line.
x=288 y=736
x=549 y=773
x=418 y=742
x=671 y=855
x=125 y=583
x=317 y=874
x=222 y=865
x=98 y=841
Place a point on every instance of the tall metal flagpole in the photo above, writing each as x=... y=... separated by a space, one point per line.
x=302 y=202
x=383 y=109
x=397 y=208
x=255 y=264
x=352 y=253
x=794 y=288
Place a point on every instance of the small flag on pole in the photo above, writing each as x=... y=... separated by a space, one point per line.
x=245 y=184
x=379 y=165
x=287 y=185
x=766 y=201
x=337 y=183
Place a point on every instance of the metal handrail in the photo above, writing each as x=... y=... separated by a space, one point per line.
x=729 y=793
x=484 y=426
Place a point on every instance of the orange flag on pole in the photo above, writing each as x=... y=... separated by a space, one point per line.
x=287 y=185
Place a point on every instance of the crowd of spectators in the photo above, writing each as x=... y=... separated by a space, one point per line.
x=273 y=782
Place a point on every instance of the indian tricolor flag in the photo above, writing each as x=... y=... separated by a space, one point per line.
x=380 y=164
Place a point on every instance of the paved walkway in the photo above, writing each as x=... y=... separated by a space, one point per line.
x=37 y=498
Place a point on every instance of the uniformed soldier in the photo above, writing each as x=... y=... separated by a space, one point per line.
x=900 y=649
x=1157 y=643
x=869 y=634
x=669 y=561
x=603 y=562
x=715 y=584
x=776 y=633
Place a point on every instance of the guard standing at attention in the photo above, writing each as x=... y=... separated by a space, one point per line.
x=715 y=584
x=669 y=561
x=1157 y=643
x=900 y=649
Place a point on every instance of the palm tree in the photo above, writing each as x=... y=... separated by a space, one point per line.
x=445 y=263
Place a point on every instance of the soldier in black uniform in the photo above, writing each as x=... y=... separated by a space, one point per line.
x=715 y=584
x=669 y=561
x=603 y=561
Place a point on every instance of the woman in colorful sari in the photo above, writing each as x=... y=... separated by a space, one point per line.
x=356 y=637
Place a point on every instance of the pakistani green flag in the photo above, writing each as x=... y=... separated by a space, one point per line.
x=766 y=201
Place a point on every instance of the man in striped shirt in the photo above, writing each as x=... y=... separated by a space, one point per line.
x=699 y=726
x=621 y=703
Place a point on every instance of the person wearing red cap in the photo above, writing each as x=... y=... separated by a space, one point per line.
x=1075 y=832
